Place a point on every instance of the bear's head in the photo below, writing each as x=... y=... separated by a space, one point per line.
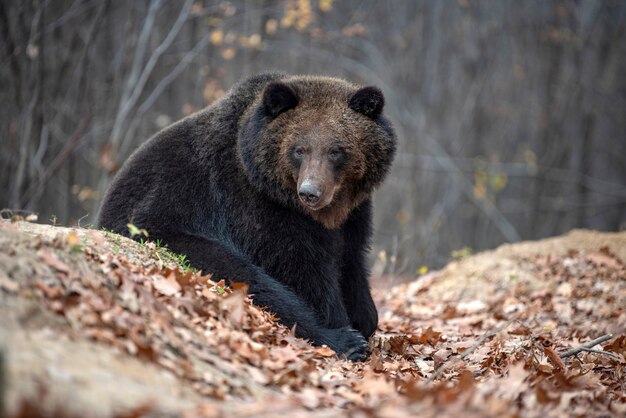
x=318 y=144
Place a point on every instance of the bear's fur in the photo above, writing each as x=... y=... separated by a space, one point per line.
x=271 y=186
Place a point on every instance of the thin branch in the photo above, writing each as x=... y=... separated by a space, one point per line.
x=606 y=353
x=72 y=144
x=492 y=212
x=469 y=350
x=135 y=71
x=32 y=118
x=158 y=90
x=184 y=62
x=408 y=160
x=14 y=65
x=73 y=11
x=142 y=45
x=586 y=346
x=82 y=60
x=159 y=50
x=147 y=70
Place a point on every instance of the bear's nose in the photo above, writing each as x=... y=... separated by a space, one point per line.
x=309 y=194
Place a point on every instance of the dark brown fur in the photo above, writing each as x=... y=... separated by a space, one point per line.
x=323 y=118
x=224 y=188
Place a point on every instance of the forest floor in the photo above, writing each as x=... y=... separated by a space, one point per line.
x=93 y=324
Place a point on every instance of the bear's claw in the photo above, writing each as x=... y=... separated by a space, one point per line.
x=346 y=342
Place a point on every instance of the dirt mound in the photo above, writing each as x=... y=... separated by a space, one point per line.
x=509 y=264
x=98 y=325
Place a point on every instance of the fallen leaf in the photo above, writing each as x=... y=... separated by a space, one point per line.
x=166 y=287
x=51 y=259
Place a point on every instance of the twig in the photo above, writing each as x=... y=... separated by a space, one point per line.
x=165 y=81
x=137 y=80
x=606 y=353
x=469 y=350
x=586 y=346
x=71 y=145
x=135 y=71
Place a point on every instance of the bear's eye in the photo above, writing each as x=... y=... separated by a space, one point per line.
x=335 y=153
x=298 y=152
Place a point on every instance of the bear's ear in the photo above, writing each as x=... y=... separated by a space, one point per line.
x=278 y=98
x=368 y=101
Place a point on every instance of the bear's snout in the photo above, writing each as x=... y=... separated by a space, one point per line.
x=309 y=193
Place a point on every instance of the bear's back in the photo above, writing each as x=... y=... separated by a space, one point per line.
x=167 y=175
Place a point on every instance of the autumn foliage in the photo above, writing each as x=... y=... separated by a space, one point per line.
x=498 y=349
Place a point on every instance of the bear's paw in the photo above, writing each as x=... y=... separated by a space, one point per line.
x=346 y=342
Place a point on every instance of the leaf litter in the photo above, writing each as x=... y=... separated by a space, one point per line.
x=436 y=353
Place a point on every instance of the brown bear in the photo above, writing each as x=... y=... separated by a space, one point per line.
x=271 y=186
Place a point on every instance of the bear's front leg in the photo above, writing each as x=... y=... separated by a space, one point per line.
x=310 y=265
x=358 y=299
x=225 y=262
x=325 y=297
x=354 y=272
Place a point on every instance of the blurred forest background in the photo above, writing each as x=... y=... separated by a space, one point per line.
x=511 y=114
